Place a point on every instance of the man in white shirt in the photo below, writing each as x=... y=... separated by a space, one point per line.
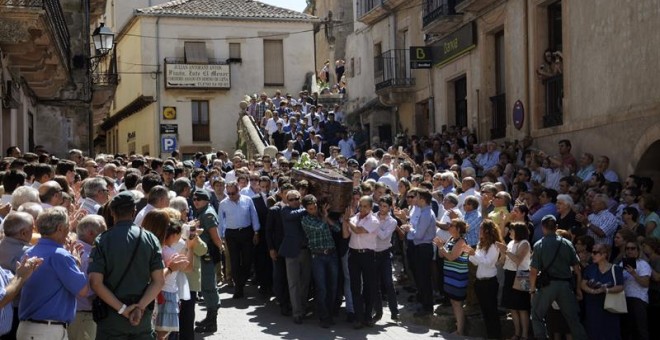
x=362 y=229
x=346 y=146
x=469 y=186
x=158 y=199
x=388 y=178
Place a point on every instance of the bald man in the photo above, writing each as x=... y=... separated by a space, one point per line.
x=50 y=194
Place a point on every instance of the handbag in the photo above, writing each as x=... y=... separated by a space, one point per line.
x=100 y=309
x=521 y=282
x=615 y=302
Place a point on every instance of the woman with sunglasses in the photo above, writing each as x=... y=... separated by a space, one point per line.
x=597 y=281
x=636 y=279
x=629 y=219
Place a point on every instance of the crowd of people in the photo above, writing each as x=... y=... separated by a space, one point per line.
x=127 y=245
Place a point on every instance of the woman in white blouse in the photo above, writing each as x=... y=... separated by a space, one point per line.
x=485 y=258
x=517 y=258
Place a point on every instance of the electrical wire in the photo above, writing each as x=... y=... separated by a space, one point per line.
x=262 y=36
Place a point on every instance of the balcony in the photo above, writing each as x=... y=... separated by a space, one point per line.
x=35 y=38
x=498 y=116
x=371 y=11
x=554 y=101
x=474 y=6
x=439 y=16
x=104 y=83
x=392 y=72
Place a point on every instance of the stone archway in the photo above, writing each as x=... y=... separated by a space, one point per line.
x=645 y=160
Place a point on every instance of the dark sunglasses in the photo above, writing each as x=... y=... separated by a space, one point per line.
x=631 y=248
x=294 y=199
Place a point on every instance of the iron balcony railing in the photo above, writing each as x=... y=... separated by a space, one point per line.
x=435 y=9
x=105 y=74
x=554 y=97
x=498 y=116
x=391 y=69
x=365 y=6
x=55 y=17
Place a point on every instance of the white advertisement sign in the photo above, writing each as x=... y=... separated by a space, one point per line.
x=195 y=76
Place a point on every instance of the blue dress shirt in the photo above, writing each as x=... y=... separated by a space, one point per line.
x=423 y=230
x=235 y=215
x=50 y=293
x=547 y=209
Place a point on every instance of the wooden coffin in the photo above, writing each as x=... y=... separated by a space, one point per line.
x=328 y=186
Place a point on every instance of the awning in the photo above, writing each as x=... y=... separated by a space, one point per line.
x=135 y=106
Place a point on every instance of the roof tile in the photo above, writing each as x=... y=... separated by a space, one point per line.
x=225 y=9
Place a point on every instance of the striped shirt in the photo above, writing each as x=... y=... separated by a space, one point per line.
x=7 y=312
x=605 y=221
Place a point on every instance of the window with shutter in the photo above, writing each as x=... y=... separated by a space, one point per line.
x=273 y=63
x=195 y=52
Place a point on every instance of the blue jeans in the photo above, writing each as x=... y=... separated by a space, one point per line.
x=347 y=284
x=325 y=272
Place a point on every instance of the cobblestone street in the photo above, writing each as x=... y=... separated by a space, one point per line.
x=254 y=318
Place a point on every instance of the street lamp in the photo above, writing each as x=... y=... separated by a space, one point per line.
x=104 y=39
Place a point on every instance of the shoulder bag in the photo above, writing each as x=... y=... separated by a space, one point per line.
x=521 y=282
x=615 y=302
x=543 y=278
x=100 y=309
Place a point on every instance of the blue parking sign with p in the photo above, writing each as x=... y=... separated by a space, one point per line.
x=169 y=144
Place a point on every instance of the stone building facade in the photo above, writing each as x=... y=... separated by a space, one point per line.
x=597 y=86
x=47 y=87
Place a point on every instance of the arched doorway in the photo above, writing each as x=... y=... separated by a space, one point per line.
x=649 y=165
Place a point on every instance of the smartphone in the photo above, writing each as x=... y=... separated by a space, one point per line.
x=629 y=262
x=400 y=149
x=193 y=232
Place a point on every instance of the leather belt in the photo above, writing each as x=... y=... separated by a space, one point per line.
x=48 y=322
x=326 y=251
x=361 y=251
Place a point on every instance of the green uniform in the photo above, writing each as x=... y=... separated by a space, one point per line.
x=110 y=256
x=559 y=289
x=208 y=220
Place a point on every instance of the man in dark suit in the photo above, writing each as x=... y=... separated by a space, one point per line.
x=263 y=267
x=300 y=143
x=320 y=145
x=274 y=236
x=296 y=253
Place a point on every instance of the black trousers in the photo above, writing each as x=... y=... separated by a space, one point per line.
x=362 y=272
x=486 y=291
x=187 y=317
x=423 y=262
x=280 y=283
x=263 y=264
x=241 y=253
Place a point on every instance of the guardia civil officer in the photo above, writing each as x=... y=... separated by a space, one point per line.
x=208 y=220
x=555 y=256
x=126 y=272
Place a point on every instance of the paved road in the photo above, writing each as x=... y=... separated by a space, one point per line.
x=255 y=318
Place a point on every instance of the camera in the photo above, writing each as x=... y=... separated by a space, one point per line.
x=193 y=232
